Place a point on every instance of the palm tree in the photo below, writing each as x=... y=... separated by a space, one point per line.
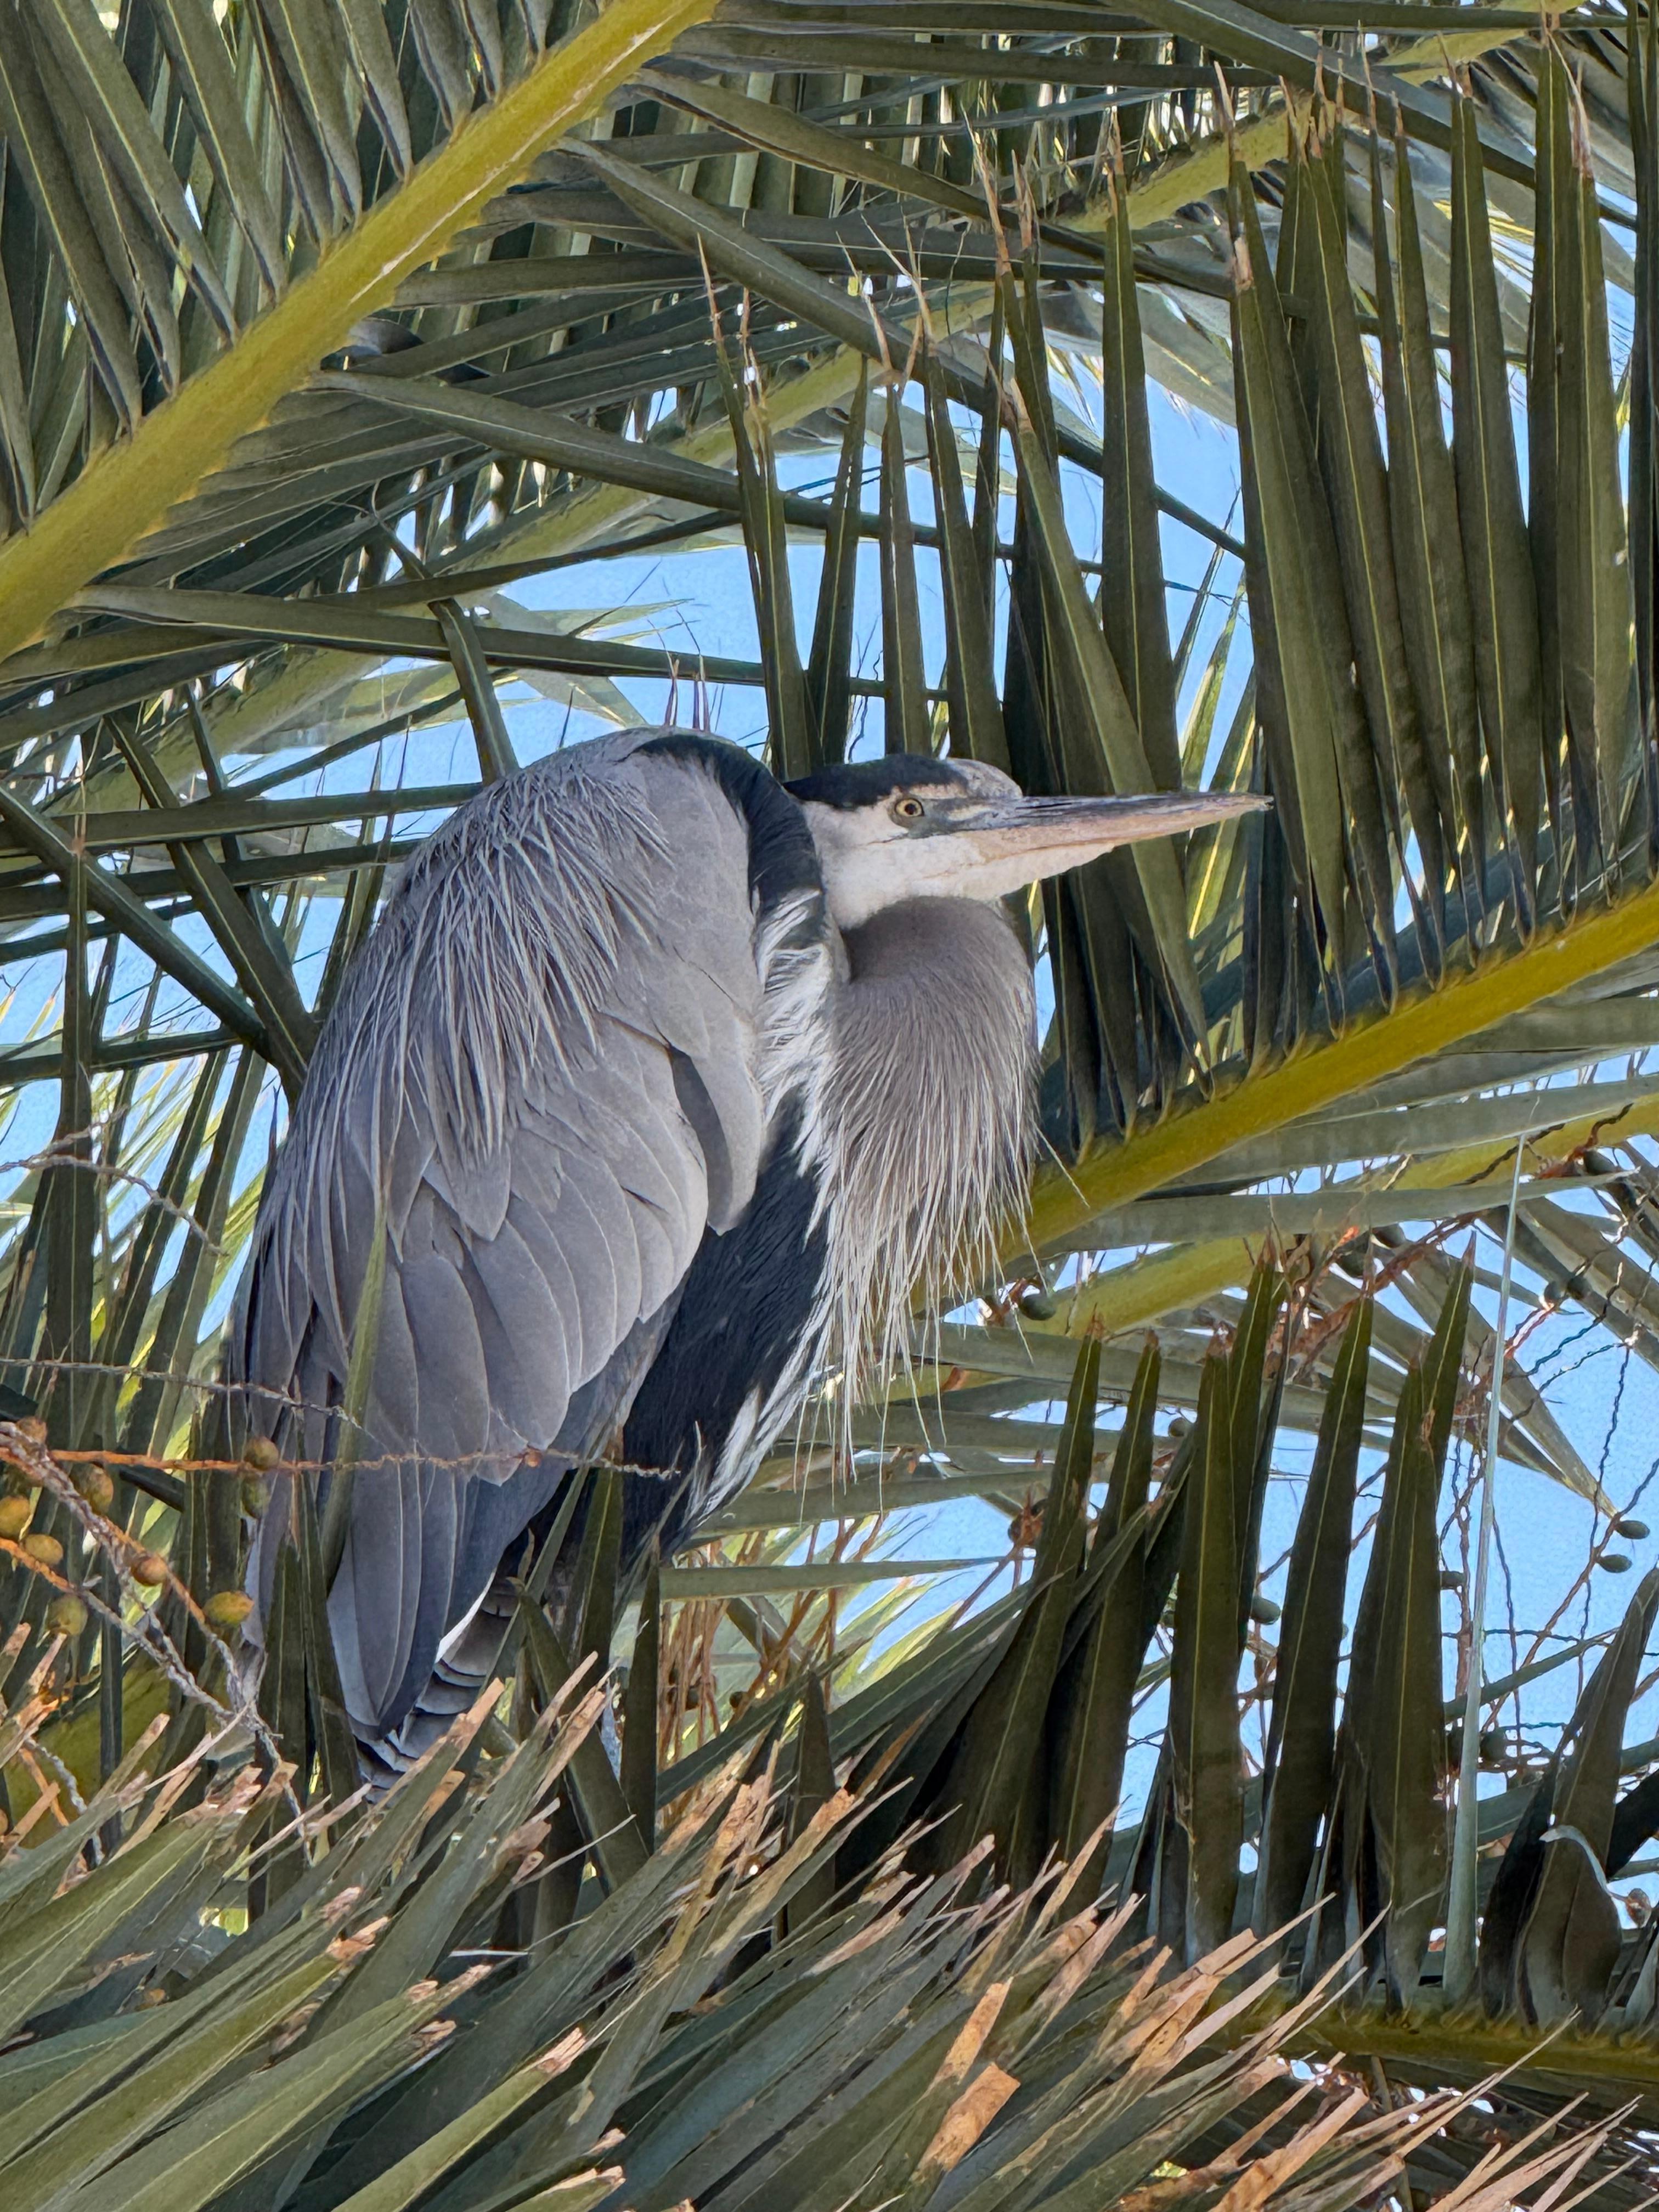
x=326 y=324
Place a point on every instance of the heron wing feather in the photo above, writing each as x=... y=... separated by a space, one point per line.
x=504 y=1081
x=455 y=1387
x=519 y=1297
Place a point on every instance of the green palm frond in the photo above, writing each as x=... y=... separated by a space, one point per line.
x=326 y=330
x=349 y=2050
x=498 y=402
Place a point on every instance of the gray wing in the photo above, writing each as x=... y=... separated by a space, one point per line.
x=545 y=1078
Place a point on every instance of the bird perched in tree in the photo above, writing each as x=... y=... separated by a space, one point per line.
x=656 y=1091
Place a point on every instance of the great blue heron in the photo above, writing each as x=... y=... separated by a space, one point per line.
x=657 y=1088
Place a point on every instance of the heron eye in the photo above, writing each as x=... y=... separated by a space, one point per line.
x=908 y=810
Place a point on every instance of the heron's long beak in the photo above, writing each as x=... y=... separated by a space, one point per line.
x=1030 y=838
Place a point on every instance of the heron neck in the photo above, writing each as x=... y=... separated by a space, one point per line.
x=926 y=1108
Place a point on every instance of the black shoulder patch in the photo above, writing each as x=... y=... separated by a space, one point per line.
x=863 y=783
x=747 y=1299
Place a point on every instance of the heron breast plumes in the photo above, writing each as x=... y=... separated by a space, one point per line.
x=929 y=1116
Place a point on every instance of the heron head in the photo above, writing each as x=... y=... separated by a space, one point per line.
x=908 y=826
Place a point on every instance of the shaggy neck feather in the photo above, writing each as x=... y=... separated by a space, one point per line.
x=929 y=1091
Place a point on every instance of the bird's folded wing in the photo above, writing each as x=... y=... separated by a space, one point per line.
x=539 y=1088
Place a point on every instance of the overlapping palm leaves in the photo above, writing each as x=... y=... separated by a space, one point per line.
x=763 y=1989
x=911 y=2040
x=1430 y=799
x=294 y=392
